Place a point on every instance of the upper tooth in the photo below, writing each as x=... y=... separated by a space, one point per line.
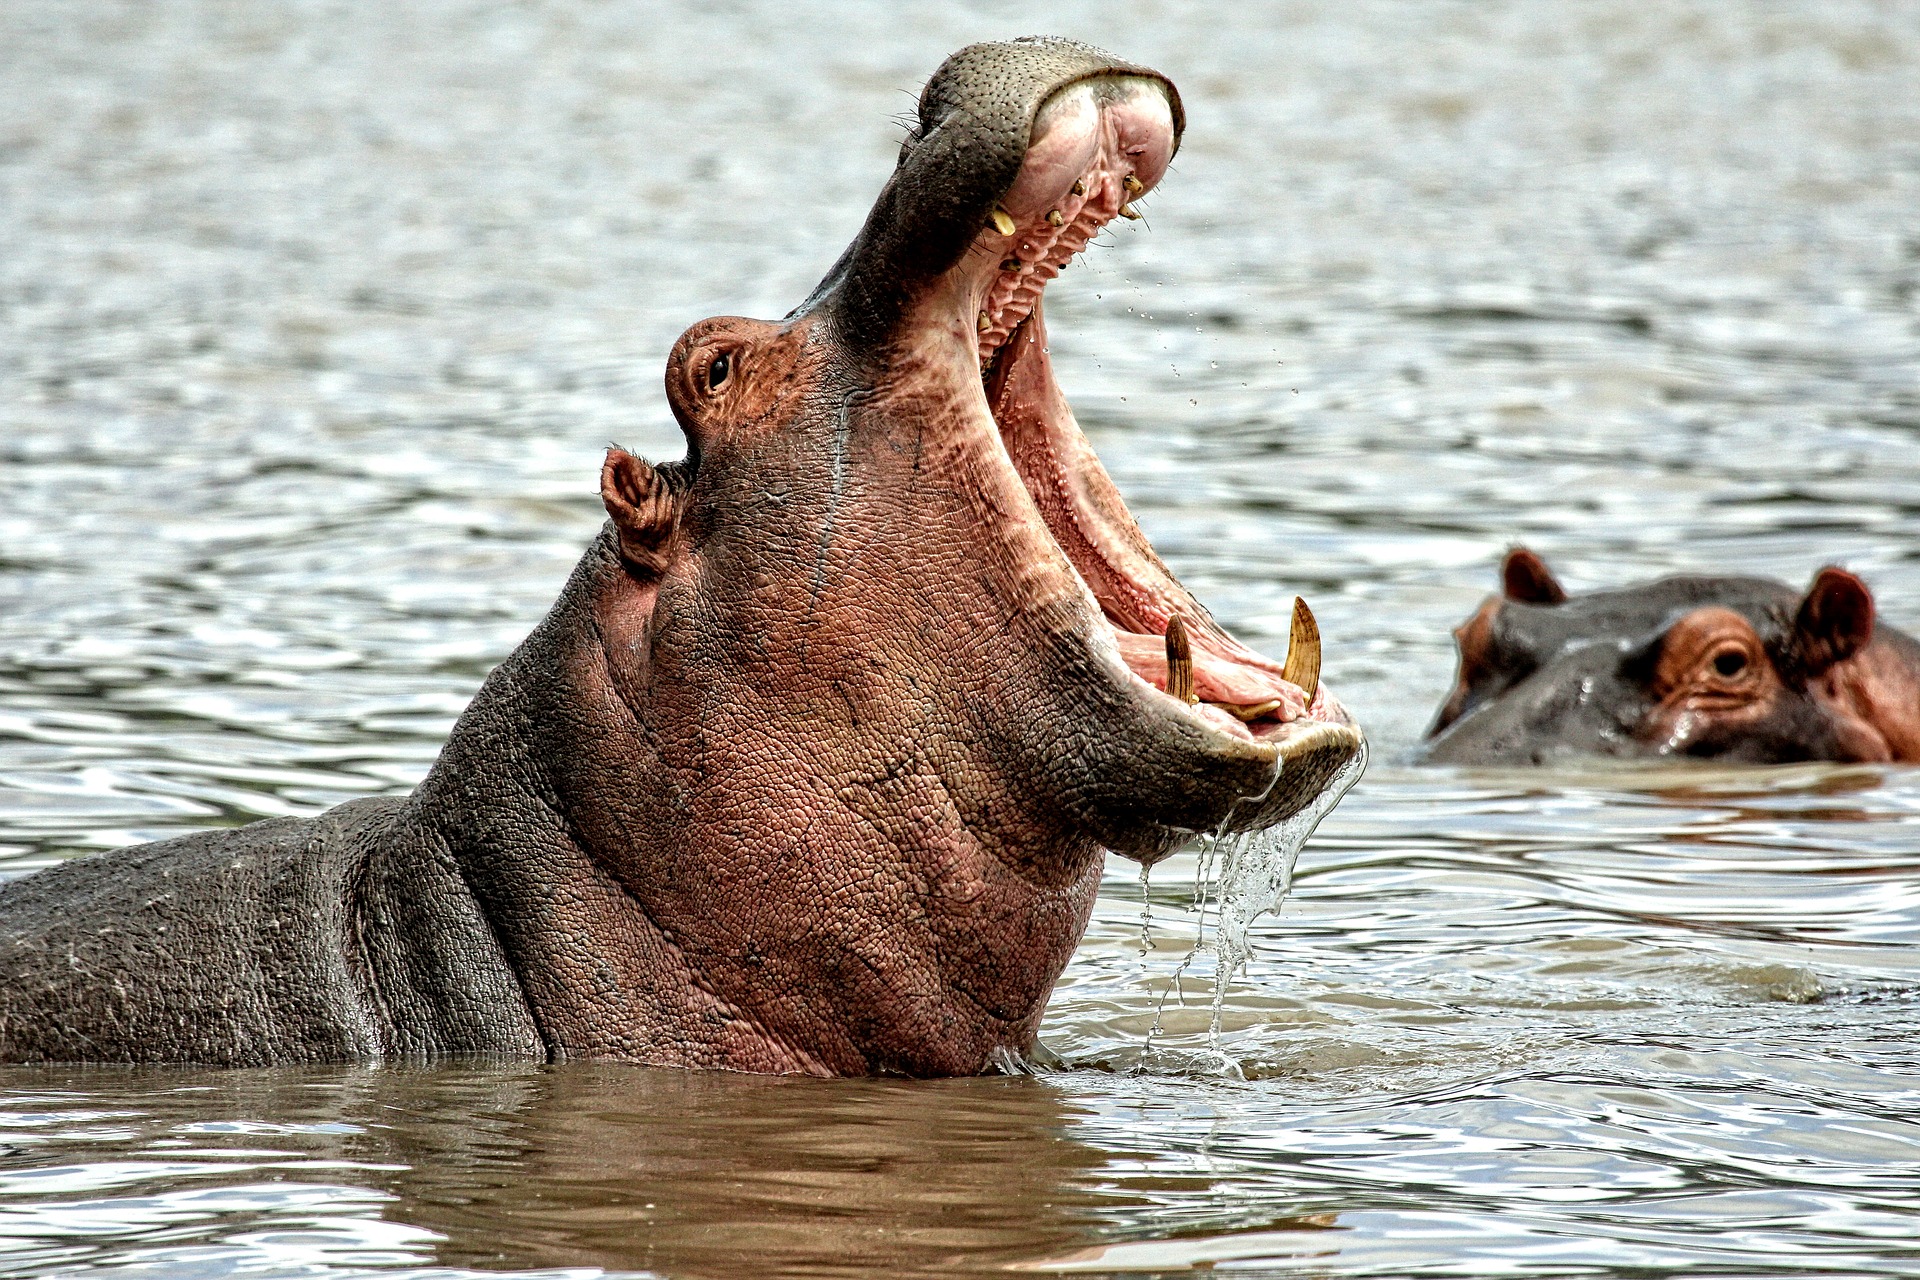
x=1003 y=221
x=1133 y=185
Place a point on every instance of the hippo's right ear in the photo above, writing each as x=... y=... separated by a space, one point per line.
x=1525 y=577
x=1835 y=619
x=645 y=508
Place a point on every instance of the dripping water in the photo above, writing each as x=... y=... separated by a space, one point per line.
x=1254 y=875
x=1146 y=909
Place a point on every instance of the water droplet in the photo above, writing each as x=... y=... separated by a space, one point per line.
x=1146 y=909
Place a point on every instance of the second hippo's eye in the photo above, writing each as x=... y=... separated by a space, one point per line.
x=1730 y=662
x=717 y=371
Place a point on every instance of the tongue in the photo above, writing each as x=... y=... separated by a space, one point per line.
x=1250 y=689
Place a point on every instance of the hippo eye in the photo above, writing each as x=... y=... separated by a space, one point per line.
x=1730 y=662
x=717 y=371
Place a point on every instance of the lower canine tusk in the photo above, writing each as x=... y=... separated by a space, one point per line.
x=1179 y=661
x=1303 y=651
x=1002 y=221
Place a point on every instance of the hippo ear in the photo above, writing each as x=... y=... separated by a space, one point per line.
x=1525 y=577
x=645 y=510
x=1835 y=620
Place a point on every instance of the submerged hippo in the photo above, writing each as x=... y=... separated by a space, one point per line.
x=811 y=766
x=1738 y=669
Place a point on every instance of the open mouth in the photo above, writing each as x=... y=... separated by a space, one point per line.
x=1096 y=147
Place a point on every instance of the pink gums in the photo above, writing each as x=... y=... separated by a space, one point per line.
x=1097 y=136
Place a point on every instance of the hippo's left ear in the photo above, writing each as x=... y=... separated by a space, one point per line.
x=1525 y=577
x=645 y=510
x=1835 y=620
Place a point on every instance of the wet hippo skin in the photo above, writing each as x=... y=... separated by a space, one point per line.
x=812 y=765
x=1724 y=668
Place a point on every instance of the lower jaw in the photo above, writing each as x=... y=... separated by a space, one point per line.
x=1319 y=761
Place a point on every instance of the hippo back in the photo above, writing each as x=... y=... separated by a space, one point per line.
x=290 y=940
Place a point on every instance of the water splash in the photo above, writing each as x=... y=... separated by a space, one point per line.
x=1257 y=874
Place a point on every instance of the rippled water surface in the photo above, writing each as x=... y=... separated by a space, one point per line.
x=315 y=318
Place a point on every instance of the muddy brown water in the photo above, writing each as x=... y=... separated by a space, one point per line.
x=315 y=317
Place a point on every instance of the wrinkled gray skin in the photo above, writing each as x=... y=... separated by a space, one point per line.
x=809 y=769
x=1568 y=679
x=1734 y=669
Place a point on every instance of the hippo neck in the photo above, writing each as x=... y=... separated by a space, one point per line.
x=601 y=977
x=648 y=918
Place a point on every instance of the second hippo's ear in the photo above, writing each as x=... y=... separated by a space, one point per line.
x=1835 y=619
x=1525 y=577
x=645 y=509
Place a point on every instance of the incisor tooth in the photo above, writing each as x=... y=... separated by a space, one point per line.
x=1079 y=187
x=1303 y=651
x=985 y=323
x=1003 y=221
x=1134 y=185
x=1055 y=218
x=1128 y=211
x=1179 y=661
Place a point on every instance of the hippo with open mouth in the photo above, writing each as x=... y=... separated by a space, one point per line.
x=1699 y=667
x=812 y=765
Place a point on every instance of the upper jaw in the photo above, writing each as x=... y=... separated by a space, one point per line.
x=1097 y=145
x=965 y=153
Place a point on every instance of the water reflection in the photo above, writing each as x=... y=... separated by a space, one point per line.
x=503 y=1167
x=716 y=1176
